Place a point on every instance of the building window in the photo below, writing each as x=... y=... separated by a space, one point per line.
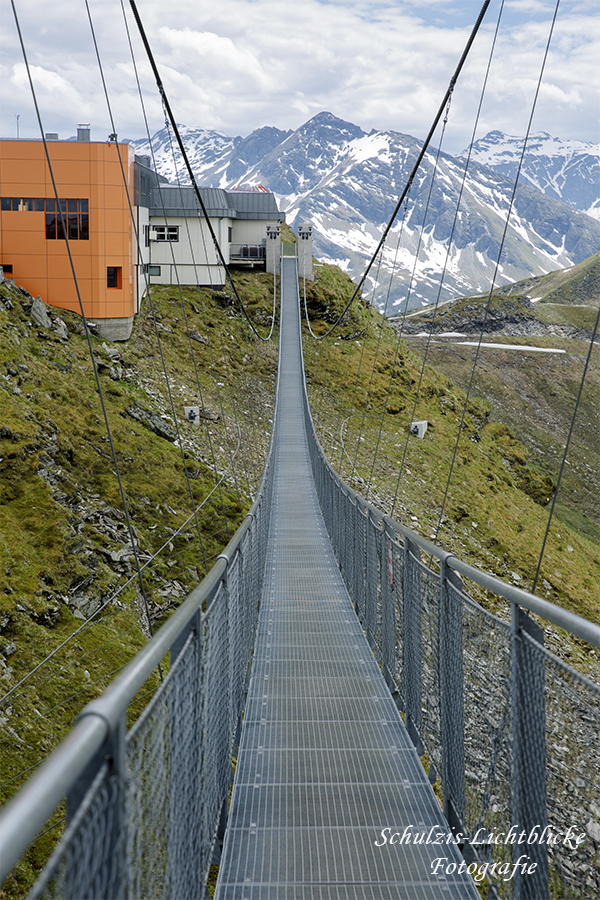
x=75 y=212
x=7 y=269
x=166 y=232
x=146 y=235
x=75 y=215
x=114 y=277
x=153 y=270
x=50 y=220
x=17 y=204
x=230 y=234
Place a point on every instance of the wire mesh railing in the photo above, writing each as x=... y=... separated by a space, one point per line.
x=509 y=730
x=144 y=807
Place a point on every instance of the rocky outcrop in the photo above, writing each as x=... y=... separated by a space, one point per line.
x=152 y=421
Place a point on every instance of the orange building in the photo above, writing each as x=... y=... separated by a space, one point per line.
x=93 y=200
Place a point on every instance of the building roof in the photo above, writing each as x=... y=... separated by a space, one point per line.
x=175 y=200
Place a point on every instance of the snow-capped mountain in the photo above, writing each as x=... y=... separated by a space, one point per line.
x=566 y=170
x=216 y=159
x=346 y=183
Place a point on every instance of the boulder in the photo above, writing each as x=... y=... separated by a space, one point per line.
x=39 y=313
x=152 y=421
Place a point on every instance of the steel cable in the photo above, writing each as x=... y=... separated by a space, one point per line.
x=147 y=127
x=417 y=164
x=165 y=100
x=450 y=238
x=149 y=294
x=84 y=319
x=496 y=269
x=566 y=450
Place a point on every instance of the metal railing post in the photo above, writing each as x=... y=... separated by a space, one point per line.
x=529 y=755
x=185 y=753
x=335 y=515
x=109 y=859
x=344 y=547
x=388 y=608
x=371 y=580
x=452 y=713
x=358 y=561
x=411 y=668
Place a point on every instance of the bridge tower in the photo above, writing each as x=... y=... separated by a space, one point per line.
x=273 y=248
x=305 y=258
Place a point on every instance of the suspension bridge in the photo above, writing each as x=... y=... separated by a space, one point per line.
x=338 y=718
x=326 y=657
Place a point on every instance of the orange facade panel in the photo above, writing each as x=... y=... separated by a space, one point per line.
x=95 y=211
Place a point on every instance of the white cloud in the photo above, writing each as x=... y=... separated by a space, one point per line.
x=240 y=64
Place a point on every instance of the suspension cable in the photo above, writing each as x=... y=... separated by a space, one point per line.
x=417 y=164
x=450 y=239
x=154 y=320
x=208 y=432
x=85 y=323
x=496 y=268
x=447 y=256
x=566 y=450
x=167 y=106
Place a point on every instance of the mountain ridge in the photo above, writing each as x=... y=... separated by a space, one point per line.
x=346 y=182
x=564 y=170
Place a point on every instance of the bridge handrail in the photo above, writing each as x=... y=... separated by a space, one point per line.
x=557 y=615
x=23 y=816
x=509 y=727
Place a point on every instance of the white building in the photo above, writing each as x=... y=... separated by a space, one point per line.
x=175 y=241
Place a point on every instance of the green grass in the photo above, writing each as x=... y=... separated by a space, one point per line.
x=58 y=487
x=497 y=505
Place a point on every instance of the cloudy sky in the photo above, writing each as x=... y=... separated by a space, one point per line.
x=235 y=65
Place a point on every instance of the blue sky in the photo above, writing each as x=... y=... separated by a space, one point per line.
x=236 y=65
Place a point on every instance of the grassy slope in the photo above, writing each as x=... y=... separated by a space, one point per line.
x=534 y=393
x=61 y=514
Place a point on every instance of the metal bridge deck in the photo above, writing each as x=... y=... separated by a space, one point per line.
x=325 y=762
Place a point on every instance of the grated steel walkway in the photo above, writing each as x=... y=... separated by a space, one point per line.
x=325 y=762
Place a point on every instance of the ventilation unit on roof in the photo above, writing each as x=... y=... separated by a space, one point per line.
x=51 y=136
x=83 y=133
